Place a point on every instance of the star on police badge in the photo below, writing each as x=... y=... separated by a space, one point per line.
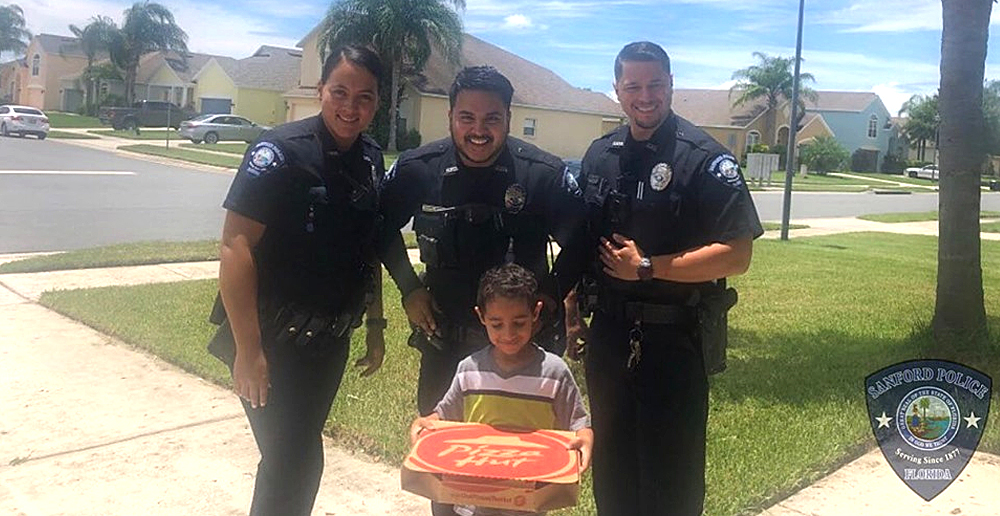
x=928 y=417
x=660 y=176
x=514 y=198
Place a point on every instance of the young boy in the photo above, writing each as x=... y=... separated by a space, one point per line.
x=513 y=383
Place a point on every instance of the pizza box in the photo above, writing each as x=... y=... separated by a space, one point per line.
x=475 y=464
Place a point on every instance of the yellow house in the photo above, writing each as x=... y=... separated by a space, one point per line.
x=546 y=110
x=740 y=128
x=250 y=87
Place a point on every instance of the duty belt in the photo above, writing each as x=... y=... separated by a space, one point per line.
x=651 y=313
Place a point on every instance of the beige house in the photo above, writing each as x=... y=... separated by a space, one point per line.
x=740 y=128
x=12 y=75
x=48 y=59
x=546 y=110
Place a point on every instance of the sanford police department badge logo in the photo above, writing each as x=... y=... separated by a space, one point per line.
x=514 y=197
x=660 y=176
x=928 y=417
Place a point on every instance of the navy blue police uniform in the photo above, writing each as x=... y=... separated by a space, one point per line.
x=468 y=220
x=646 y=373
x=315 y=264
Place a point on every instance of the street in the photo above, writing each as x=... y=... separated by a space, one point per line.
x=58 y=196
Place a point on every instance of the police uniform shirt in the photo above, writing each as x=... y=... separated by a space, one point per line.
x=319 y=209
x=527 y=186
x=684 y=190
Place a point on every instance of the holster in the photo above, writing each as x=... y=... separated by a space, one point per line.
x=712 y=332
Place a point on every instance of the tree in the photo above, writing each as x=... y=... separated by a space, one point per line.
x=13 y=36
x=921 y=122
x=824 y=154
x=403 y=32
x=959 y=312
x=95 y=37
x=147 y=27
x=770 y=80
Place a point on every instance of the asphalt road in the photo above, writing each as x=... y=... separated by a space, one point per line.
x=58 y=196
x=107 y=198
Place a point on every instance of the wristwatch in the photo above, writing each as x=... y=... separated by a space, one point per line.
x=645 y=269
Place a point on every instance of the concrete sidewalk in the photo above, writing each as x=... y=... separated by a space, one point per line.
x=91 y=427
x=94 y=428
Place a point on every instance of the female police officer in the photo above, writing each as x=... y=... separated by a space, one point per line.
x=296 y=265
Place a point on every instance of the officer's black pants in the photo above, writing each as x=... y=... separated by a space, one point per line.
x=649 y=425
x=288 y=430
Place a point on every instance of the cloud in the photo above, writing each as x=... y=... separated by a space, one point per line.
x=893 y=96
x=516 y=21
x=888 y=16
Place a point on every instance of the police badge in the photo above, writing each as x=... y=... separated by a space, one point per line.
x=514 y=197
x=660 y=176
x=928 y=417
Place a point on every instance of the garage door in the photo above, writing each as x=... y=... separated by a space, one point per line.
x=222 y=106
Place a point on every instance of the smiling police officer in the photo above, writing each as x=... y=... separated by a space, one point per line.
x=671 y=217
x=478 y=199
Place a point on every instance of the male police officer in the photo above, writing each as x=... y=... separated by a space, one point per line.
x=477 y=199
x=670 y=215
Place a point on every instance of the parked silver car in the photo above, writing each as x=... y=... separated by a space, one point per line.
x=217 y=128
x=22 y=120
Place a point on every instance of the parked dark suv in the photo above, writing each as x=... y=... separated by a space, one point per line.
x=144 y=113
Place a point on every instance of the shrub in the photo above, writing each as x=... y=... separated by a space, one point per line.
x=893 y=164
x=824 y=154
x=408 y=139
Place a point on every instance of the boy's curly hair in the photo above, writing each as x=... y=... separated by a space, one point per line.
x=509 y=280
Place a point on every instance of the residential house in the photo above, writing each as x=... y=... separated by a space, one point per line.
x=740 y=128
x=250 y=87
x=861 y=123
x=205 y=83
x=13 y=74
x=49 y=58
x=546 y=110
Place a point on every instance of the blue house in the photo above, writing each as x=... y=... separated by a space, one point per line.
x=861 y=123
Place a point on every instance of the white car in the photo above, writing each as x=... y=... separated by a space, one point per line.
x=214 y=128
x=22 y=120
x=924 y=172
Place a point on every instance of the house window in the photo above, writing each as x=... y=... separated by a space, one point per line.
x=753 y=138
x=35 y=61
x=529 y=126
x=873 y=127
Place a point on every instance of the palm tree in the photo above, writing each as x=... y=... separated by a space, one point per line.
x=771 y=79
x=13 y=36
x=402 y=31
x=147 y=27
x=959 y=314
x=95 y=37
x=921 y=121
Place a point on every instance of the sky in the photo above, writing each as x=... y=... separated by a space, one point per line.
x=890 y=47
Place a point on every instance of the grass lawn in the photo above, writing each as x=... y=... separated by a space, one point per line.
x=776 y=226
x=815 y=317
x=990 y=227
x=231 y=148
x=918 y=216
x=138 y=253
x=66 y=135
x=153 y=134
x=205 y=158
x=58 y=120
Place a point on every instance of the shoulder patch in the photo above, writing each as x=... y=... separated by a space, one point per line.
x=726 y=169
x=264 y=157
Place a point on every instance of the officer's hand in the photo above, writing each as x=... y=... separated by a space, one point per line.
x=420 y=308
x=584 y=442
x=577 y=331
x=421 y=424
x=372 y=361
x=250 y=378
x=621 y=257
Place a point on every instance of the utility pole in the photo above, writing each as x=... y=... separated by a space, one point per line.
x=793 y=128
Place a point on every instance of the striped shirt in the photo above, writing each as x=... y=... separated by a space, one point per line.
x=540 y=395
